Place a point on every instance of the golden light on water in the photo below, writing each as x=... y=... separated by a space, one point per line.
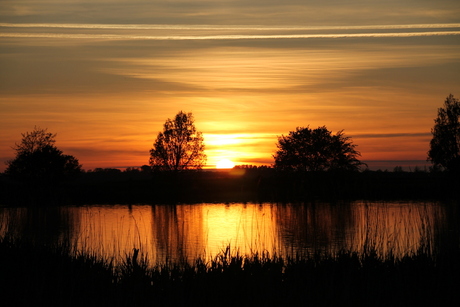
x=204 y=230
x=245 y=229
x=114 y=231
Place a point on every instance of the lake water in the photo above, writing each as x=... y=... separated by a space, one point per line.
x=181 y=231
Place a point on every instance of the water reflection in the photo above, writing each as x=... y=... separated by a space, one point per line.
x=397 y=229
x=45 y=226
x=314 y=228
x=187 y=231
x=112 y=231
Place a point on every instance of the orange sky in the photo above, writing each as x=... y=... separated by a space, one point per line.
x=106 y=85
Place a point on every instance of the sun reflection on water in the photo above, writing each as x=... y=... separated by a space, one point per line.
x=183 y=231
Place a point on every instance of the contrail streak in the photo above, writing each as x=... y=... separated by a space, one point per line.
x=226 y=27
x=223 y=37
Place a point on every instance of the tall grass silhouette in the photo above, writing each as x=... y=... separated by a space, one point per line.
x=48 y=275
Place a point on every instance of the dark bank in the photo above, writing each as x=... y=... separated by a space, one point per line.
x=112 y=186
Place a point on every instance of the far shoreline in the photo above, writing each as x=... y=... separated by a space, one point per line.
x=253 y=184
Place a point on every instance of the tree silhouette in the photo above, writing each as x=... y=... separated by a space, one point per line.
x=179 y=146
x=445 y=145
x=316 y=150
x=37 y=159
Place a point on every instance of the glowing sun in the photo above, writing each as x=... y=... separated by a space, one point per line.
x=225 y=163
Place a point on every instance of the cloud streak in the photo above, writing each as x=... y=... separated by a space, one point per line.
x=225 y=27
x=392 y=135
x=194 y=32
x=98 y=85
x=224 y=37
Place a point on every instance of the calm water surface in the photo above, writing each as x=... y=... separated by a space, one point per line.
x=187 y=231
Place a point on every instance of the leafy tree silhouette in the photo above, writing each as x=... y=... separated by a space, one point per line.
x=179 y=146
x=38 y=159
x=445 y=145
x=318 y=149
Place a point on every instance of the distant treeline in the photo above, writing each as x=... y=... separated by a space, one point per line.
x=241 y=184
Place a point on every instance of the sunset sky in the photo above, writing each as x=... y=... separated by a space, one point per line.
x=106 y=74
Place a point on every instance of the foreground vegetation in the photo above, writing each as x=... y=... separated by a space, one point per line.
x=50 y=276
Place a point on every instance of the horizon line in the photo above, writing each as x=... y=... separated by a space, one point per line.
x=268 y=164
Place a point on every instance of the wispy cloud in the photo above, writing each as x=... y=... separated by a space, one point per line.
x=225 y=27
x=99 y=84
x=195 y=32
x=223 y=37
x=392 y=135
